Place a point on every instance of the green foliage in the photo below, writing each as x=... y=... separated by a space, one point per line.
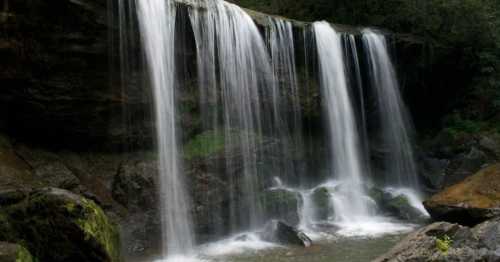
x=455 y=124
x=443 y=244
x=204 y=145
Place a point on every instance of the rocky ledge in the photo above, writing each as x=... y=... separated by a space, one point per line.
x=443 y=241
x=469 y=202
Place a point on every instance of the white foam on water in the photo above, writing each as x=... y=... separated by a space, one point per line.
x=238 y=244
x=373 y=227
x=182 y=258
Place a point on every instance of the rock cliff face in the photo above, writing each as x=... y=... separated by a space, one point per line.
x=58 y=86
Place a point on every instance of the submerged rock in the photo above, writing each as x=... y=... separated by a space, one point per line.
x=14 y=253
x=281 y=233
x=470 y=202
x=321 y=198
x=396 y=205
x=443 y=241
x=57 y=225
x=282 y=204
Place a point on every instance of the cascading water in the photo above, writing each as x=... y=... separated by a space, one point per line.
x=249 y=96
x=285 y=96
x=234 y=68
x=395 y=125
x=157 y=20
x=342 y=128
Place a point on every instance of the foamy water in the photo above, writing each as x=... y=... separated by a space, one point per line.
x=241 y=243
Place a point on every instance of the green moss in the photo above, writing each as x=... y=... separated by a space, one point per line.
x=443 y=244
x=70 y=207
x=96 y=225
x=23 y=255
x=204 y=145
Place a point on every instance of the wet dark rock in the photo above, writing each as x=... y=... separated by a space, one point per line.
x=321 y=198
x=281 y=233
x=49 y=168
x=433 y=171
x=14 y=253
x=465 y=165
x=470 y=202
x=134 y=185
x=11 y=196
x=443 y=241
x=450 y=158
x=283 y=205
x=396 y=205
x=57 y=225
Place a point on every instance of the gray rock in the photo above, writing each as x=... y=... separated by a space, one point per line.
x=14 y=253
x=282 y=204
x=465 y=165
x=397 y=206
x=279 y=232
x=323 y=205
x=491 y=145
x=433 y=170
x=443 y=241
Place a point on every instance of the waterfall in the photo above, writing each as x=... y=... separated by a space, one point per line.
x=235 y=76
x=345 y=146
x=157 y=22
x=249 y=96
x=399 y=162
x=287 y=117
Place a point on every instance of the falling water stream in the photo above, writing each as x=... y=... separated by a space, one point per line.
x=395 y=125
x=249 y=94
x=157 y=23
x=341 y=123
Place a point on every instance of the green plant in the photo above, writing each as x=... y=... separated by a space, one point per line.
x=444 y=243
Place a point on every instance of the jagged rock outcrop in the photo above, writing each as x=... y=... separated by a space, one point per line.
x=470 y=202
x=443 y=241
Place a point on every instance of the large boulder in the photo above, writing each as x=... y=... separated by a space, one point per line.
x=443 y=241
x=57 y=225
x=14 y=253
x=282 y=204
x=278 y=232
x=397 y=205
x=470 y=202
x=321 y=198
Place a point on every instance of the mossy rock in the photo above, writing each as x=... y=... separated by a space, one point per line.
x=282 y=204
x=396 y=205
x=14 y=253
x=321 y=198
x=472 y=201
x=57 y=225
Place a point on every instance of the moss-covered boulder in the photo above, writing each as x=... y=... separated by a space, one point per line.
x=57 y=225
x=470 y=202
x=396 y=205
x=14 y=253
x=282 y=204
x=321 y=198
